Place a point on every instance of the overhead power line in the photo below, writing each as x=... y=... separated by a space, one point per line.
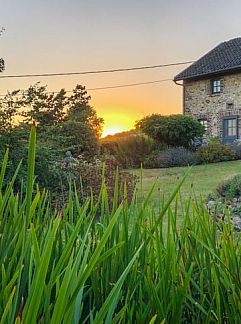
x=94 y=72
x=128 y=85
x=112 y=87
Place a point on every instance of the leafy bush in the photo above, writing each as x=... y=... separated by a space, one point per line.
x=230 y=188
x=53 y=171
x=47 y=154
x=213 y=139
x=215 y=152
x=225 y=202
x=236 y=146
x=89 y=177
x=178 y=156
x=65 y=122
x=129 y=151
x=152 y=160
x=173 y=130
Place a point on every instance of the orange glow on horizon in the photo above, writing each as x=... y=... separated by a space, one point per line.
x=116 y=123
x=112 y=130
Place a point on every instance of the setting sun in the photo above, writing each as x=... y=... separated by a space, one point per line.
x=116 y=123
x=111 y=130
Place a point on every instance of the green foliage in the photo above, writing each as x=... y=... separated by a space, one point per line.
x=65 y=123
x=51 y=109
x=89 y=176
x=213 y=139
x=215 y=152
x=130 y=151
x=79 y=138
x=63 y=267
x=152 y=160
x=47 y=157
x=236 y=146
x=53 y=172
x=177 y=157
x=173 y=130
x=230 y=188
x=81 y=127
x=10 y=106
x=43 y=107
x=79 y=110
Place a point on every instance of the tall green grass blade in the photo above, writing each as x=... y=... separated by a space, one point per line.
x=35 y=294
x=7 y=307
x=30 y=173
x=115 y=291
x=3 y=168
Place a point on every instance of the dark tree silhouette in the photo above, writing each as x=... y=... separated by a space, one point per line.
x=2 y=66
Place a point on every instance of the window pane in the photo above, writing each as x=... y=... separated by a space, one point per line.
x=216 y=86
x=232 y=127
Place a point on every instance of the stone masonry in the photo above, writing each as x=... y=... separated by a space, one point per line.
x=202 y=104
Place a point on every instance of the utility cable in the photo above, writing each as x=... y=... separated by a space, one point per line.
x=110 y=87
x=94 y=72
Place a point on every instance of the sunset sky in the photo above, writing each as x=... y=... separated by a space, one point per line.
x=72 y=36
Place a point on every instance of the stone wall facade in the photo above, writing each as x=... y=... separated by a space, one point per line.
x=200 y=102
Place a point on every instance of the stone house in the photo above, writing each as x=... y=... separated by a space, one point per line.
x=212 y=90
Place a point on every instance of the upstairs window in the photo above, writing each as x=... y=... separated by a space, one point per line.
x=216 y=86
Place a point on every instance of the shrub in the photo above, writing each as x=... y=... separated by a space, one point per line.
x=89 y=177
x=215 y=152
x=236 y=146
x=173 y=130
x=213 y=139
x=129 y=151
x=178 y=156
x=47 y=155
x=230 y=188
x=152 y=161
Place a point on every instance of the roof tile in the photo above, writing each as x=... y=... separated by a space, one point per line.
x=223 y=58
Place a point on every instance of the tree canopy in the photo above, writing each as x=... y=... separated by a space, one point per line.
x=48 y=109
x=2 y=66
x=65 y=123
x=173 y=130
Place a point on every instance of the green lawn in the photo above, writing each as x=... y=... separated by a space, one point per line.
x=202 y=179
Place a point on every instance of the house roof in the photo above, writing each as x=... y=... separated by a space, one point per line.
x=225 y=57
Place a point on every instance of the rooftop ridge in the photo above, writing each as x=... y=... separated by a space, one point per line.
x=224 y=57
